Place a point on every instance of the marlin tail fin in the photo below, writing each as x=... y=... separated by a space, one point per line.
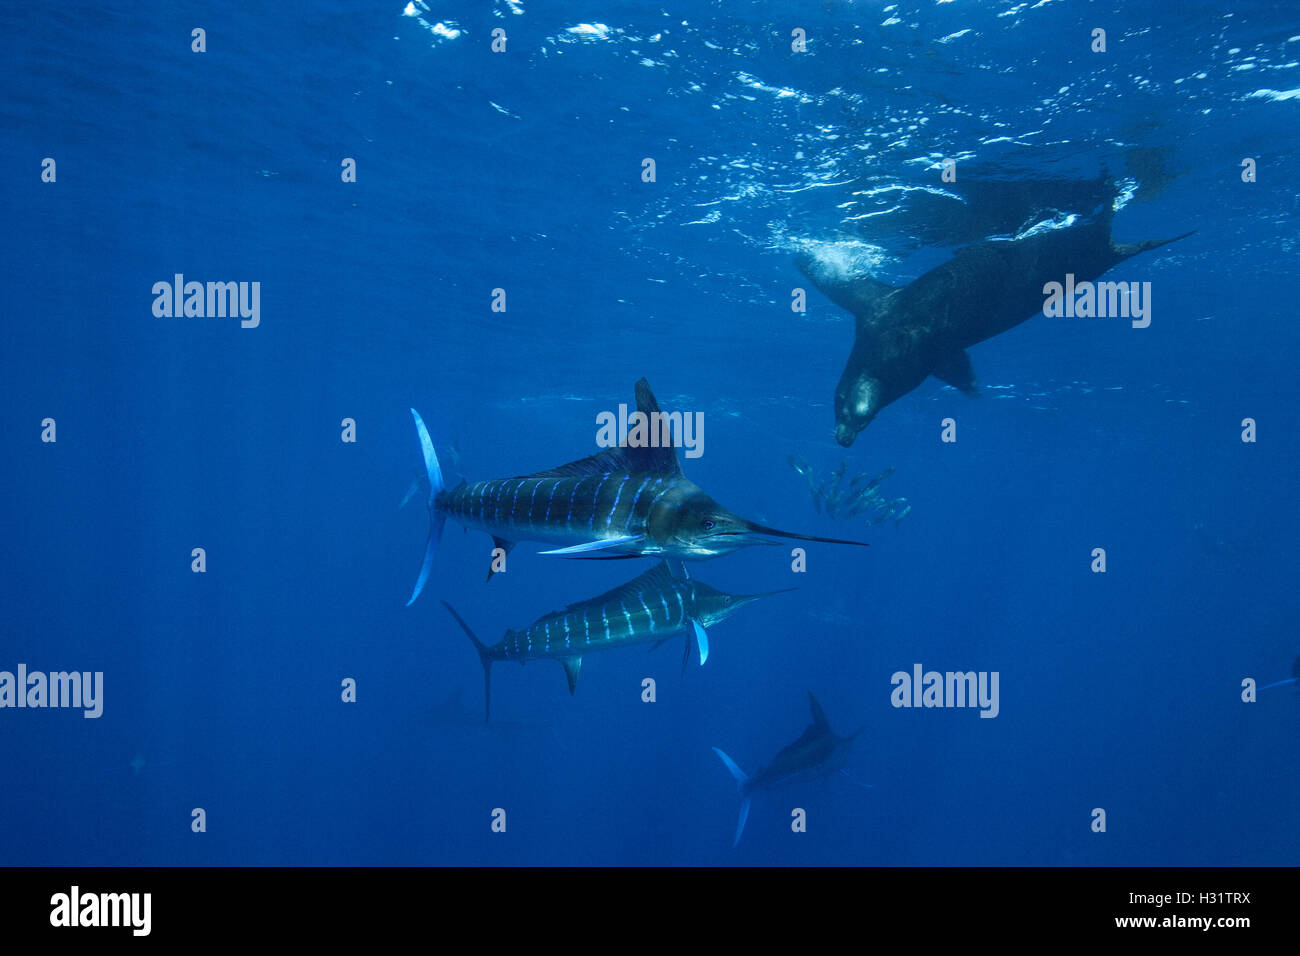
x=741 y=779
x=436 y=518
x=483 y=657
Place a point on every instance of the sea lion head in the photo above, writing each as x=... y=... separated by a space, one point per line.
x=857 y=401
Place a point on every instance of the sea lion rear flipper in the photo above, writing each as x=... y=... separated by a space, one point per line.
x=856 y=293
x=956 y=370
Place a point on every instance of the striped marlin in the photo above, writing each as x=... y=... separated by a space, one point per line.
x=820 y=751
x=655 y=606
x=622 y=502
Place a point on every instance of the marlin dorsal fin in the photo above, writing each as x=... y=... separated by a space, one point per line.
x=658 y=578
x=661 y=460
x=609 y=462
x=818 y=715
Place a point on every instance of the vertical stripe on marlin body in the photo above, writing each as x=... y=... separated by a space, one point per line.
x=622 y=502
x=655 y=606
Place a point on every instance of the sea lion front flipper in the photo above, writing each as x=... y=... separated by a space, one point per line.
x=956 y=370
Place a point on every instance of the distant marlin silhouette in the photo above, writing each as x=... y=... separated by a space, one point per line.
x=815 y=754
x=906 y=333
x=655 y=606
x=622 y=502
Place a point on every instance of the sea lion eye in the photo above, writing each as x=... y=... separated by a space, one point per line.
x=708 y=524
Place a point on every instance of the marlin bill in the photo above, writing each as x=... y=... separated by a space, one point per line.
x=622 y=502
x=656 y=606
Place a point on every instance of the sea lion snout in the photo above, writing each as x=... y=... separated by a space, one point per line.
x=855 y=406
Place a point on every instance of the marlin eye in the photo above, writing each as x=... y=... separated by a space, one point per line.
x=708 y=524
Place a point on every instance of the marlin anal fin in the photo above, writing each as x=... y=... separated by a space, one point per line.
x=571 y=667
x=599 y=545
x=956 y=370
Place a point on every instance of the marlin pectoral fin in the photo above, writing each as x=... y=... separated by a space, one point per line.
x=571 y=667
x=701 y=640
x=600 y=545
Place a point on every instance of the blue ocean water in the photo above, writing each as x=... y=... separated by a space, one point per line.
x=522 y=170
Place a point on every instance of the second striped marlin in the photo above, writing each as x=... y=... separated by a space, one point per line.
x=655 y=606
x=622 y=502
